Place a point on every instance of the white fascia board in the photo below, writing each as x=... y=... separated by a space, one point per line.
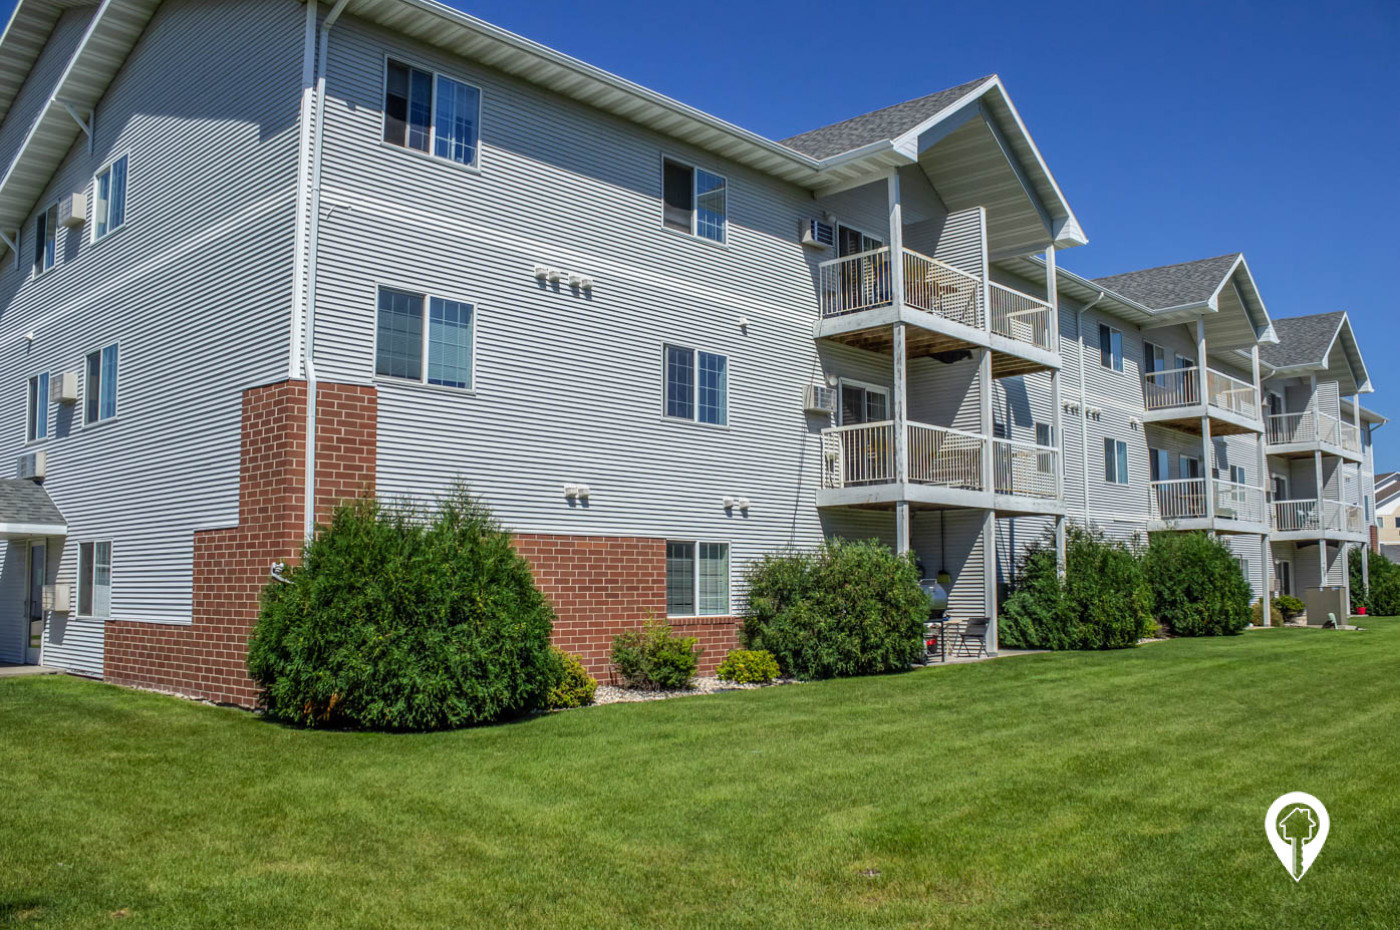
x=32 y=530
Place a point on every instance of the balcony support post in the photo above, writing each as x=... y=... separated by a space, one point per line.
x=1356 y=424
x=1316 y=410
x=1060 y=546
x=1266 y=565
x=984 y=403
x=1207 y=446
x=1052 y=297
x=1366 y=564
x=1057 y=433
x=989 y=576
x=899 y=349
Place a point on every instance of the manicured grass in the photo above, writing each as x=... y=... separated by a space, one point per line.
x=1108 y=790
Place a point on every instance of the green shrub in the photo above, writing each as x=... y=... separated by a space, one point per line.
x=1289 y=606
x=575 y=688
x=654 y=658
x=1103 y=601
x=1382 y=597
x=1257 y=613
x=399 y=619
x=1197 y=586
x=748 y=666
x=847 y=608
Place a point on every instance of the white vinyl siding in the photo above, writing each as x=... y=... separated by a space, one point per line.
x=697 y=579
x=694 y=200
x=109 y=199
x=431 y=113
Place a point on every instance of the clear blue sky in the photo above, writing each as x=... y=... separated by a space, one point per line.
x=1177 y=131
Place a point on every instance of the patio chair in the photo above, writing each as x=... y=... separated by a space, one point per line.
x=972 y=638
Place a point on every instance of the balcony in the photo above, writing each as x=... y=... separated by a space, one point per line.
x=1174 y=398
x=949 y=309
x=1181 y=504
x=1312 y=519
x=946 y=468
x=1298 y=435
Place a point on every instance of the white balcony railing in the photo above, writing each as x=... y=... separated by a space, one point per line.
x=1291 y=428
x=1179 y=499
x=1019 y=316
x=1025 y=469
x=1181 y=387
x=945 y=457
x=1305 y=516
x=856 y=283
x=864 y=454
x=1239 y=502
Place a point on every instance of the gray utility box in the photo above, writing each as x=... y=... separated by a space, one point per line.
x=1319 y=602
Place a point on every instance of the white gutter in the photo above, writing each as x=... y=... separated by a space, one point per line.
x=1084 y=404
x=313 y=233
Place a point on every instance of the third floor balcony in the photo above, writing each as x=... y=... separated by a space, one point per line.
x=1296 y=435
x=946 y=308
x=1178 y=398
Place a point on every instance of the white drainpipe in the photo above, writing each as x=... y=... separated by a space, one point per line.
x=1083 y=404
x=313 y=232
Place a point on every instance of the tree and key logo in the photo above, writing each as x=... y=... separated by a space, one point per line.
x=1297 y=825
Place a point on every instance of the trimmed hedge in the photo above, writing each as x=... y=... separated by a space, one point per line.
x=399 y=619
x=748 y=667
x=654 y=658
x=848 y=608
x=1197 y=586
x=1103 y=601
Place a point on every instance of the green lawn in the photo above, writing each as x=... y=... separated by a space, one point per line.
x=1106 y=790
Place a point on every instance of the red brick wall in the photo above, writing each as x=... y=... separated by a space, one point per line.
x=603 y=585
x=206 y=658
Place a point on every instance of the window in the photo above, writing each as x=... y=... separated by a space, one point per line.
x=46 y=239
x=100 y=391
x=37 y=422
x=439 y=352
x=95 y=579
x=1237 y=474
x=1115 y=461
x=1044 y=461
x=697 y=386
x=697 y=579
x=1190 y=466
x=431 y=113
x=1159 y=464
x=1042 y=435
x=109 y=199
x=863 y=403
x=693 y=200
x=1110 y=347
x=1154 y=358
x=1243 y=563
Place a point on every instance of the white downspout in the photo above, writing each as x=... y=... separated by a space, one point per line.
x=313 y=240
x=308 y=98
x=1084 y=405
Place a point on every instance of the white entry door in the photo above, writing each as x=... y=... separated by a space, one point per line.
x=34 y=608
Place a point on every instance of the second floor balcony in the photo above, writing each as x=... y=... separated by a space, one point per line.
x=1179 y=398
x=1313 y=519
x=1295 y=435
x=1207 y=504
x=945 y=468
x=949 y=308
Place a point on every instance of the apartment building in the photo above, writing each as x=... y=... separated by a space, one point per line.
x=385 y=246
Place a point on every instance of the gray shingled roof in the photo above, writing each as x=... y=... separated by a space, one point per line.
x=1302 y=340
x=888 y=123
x=1173 y=285
x=23 y=501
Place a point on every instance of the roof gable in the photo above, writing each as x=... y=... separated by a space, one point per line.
x=1168 y=286
x=1303 y=340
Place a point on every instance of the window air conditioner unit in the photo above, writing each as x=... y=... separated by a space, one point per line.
x=56 y=598
x=72 y=210
x=32 y=465
x=818 y=235
x=818 y=398
x=66 y=388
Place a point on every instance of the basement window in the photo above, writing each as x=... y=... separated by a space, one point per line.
x=697 y=579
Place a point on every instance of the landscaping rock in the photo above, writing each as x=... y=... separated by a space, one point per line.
x=611 y=694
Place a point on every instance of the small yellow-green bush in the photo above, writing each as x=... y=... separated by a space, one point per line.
x=1257 y=613
x=748 y=667
x=576 y=688
x=654 y=658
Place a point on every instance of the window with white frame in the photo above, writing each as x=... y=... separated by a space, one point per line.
x=419 y=337
x=697 y=579
x=432 y=113
x=1237 y=474
x=109 y=199
x=46 y=239
x=37 y=420
x=100 y=387
x=1115 y=461
x=697 y=385
x=95 y=579
x=1110 y=347
x=693 y=200
x=863 y=403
